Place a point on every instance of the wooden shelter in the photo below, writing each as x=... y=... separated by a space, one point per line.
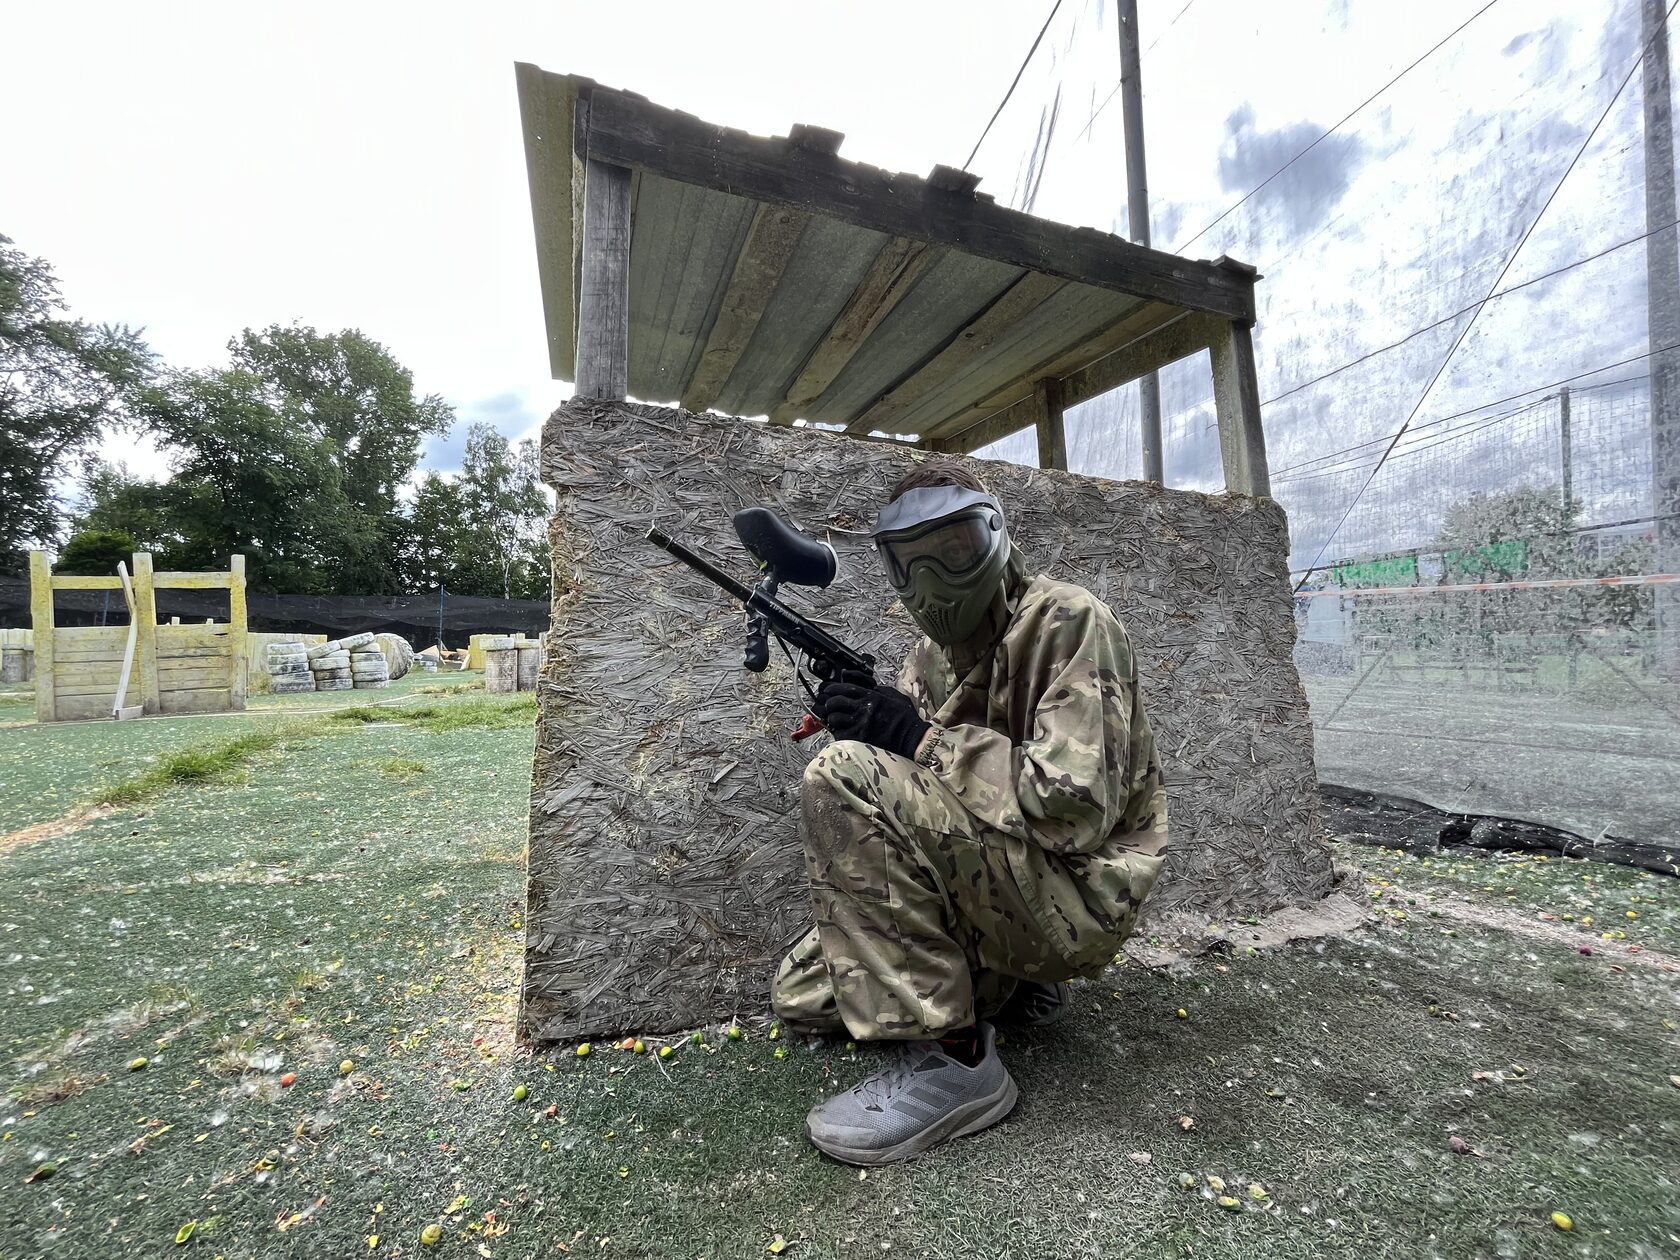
x=689 y=264
x=693 y=264
x=142 y=667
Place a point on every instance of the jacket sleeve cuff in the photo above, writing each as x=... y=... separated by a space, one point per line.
x=935 y=752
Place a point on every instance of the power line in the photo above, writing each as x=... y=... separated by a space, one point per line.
x=1013 y=83
x=1465 y=310
x=1494 y=288
x=1327 y=134
x=1169 y=26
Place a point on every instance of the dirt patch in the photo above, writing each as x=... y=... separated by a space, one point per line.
x=53 y=828
x=1537 y=925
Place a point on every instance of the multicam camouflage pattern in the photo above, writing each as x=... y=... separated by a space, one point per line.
x=1020 y=844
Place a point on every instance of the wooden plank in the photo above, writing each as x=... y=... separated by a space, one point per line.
x=1168 y=344
x=84 y=708
x=954 y=290
x=603 y=328
x=41 y=623
x=824 y=271
x=237 y=640
x=173 y=640
x=1023 y=414
x=894 y=273
x=1052 y=432
x=197 y=700
x=770 y=242
x=1135 y=323
x=972 y=343
x=1020 y=355
x=1236 y=401
x=145 y=635
x=547 y=112
x=175 y=580
x=1185 y=335
x=68 y=583
x=631 y=131
x=208 y=676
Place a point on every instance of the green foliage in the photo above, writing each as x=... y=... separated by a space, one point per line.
x=250 y=477
x=351 y=395
x=95 y=552
x=61 y=380
x=483 y=532
x=197 y=763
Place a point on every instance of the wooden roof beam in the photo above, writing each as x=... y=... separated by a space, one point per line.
x=972 y=343
x=631 y=131
x=893 y=274
x=1149 y=353
x=1138 y=322
x=764 y=255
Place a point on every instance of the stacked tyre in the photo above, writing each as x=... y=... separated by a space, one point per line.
x=368 y=667
x=399 y=656
x=329 y=662
x=288 y=668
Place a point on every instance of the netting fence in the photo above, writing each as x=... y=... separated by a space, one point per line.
x=1455 y=364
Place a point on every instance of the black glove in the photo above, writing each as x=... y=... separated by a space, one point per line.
x=882 y=716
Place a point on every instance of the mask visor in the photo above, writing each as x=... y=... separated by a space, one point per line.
x=955 y=547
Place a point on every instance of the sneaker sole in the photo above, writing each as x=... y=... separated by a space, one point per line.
x=971 y=1117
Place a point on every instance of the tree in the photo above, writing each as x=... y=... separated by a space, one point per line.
x=346 y=389
x=484 y=532
x=61 y=381
x=152 y=513
x=95 y=552
x=251 y=478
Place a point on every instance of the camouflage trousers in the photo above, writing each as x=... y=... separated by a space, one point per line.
x=920 y=922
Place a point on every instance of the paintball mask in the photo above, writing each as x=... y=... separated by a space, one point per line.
x=945 y=550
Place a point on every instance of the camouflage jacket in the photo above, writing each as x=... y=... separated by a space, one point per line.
x=1046 y=741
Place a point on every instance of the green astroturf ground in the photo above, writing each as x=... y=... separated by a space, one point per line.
x=355 y=894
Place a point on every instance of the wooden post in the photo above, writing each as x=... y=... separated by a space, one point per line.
x=145 y=638
x=237 y=641
x=1236 y=401
x=603 y=333
x=41 y=619
x=1052 y=433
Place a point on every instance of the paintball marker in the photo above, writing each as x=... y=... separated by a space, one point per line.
x=784 y=555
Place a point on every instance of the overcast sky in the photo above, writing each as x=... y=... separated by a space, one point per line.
x=199 y=168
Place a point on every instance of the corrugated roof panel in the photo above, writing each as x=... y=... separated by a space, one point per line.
x=1070 y=316
x=682 y=252
x=943 y=303
x=825 y=269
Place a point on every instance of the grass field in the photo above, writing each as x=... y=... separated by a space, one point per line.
x=312 y=938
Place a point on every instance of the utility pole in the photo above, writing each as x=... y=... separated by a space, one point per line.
x=1662 y=268
x=1566 y=460
x=1137 y=209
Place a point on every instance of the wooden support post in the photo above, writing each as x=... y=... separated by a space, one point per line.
x=237 y=641
x=1236 y=401
x=145 y=638
x=41 y=619
x=603 y=330
x=1052 y=433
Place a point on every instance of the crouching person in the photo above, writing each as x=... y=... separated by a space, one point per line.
x=976 y=836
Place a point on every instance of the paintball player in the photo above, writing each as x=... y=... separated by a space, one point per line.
x=975 y=836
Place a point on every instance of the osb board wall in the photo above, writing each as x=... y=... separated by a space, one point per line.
x=665 y=874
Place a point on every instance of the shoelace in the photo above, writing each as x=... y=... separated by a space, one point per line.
x=889 y=1080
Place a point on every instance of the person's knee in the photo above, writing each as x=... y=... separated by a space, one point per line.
x=824 y=772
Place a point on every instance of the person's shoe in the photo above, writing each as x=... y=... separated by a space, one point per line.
x=920 y=1099
x=1035 y=1004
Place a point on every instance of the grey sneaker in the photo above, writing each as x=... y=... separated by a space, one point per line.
x=923 y=1097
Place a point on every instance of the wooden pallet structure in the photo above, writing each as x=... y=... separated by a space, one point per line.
x=142 y=668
